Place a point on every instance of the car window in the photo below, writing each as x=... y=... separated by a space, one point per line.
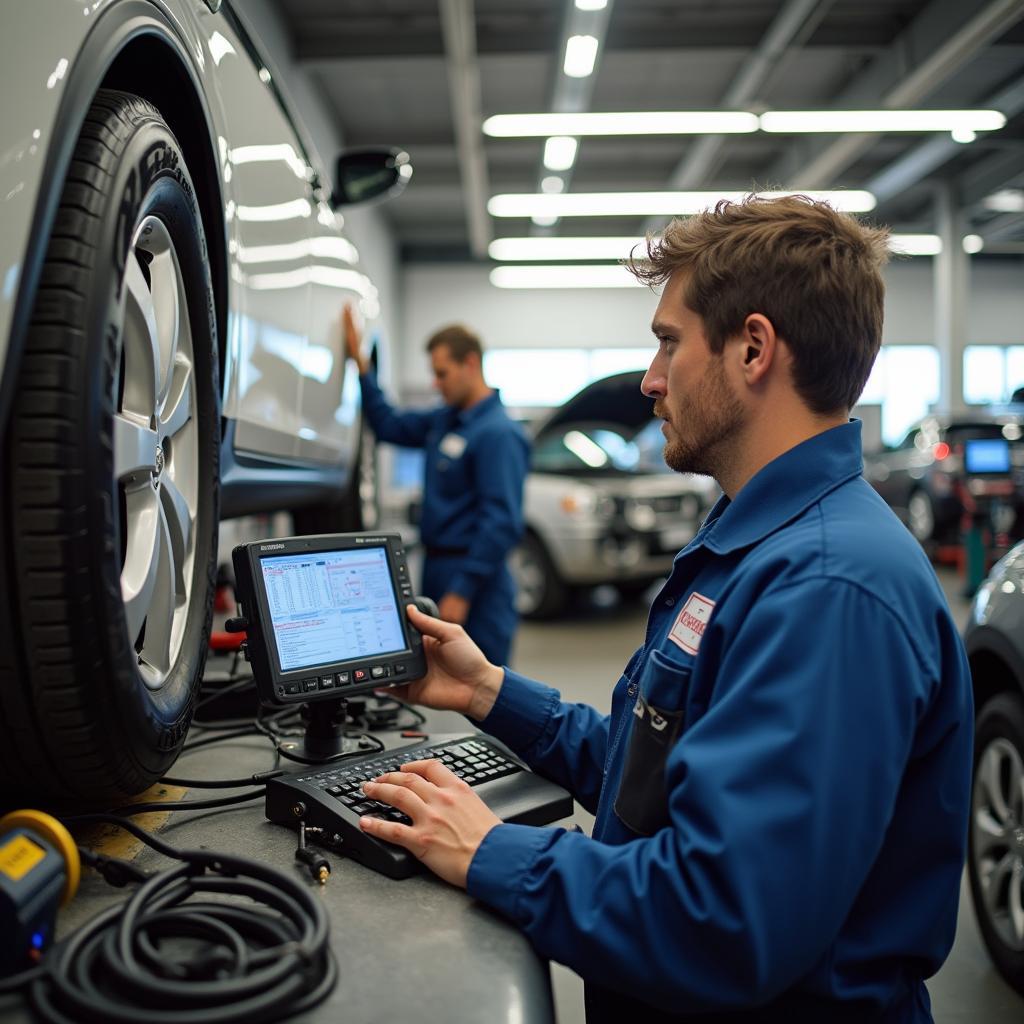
x=971 y=431
x=581 y=447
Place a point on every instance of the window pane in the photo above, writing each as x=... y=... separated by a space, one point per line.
x=530 y=377
x=984 y=374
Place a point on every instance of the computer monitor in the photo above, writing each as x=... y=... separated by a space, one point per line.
x=325 y=616
x=987 y=455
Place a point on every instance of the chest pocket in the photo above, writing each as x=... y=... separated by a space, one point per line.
x=657 y=719
x=453 y=470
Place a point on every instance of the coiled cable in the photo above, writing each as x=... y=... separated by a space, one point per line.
x=167 y=958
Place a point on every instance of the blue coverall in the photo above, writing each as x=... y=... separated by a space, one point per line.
x=476 y=462
x=782 y=786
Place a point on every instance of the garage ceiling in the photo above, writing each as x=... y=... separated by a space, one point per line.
x=388 y=70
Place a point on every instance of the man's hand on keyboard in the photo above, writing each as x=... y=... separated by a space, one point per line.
x=459 y=677
x=449 y=821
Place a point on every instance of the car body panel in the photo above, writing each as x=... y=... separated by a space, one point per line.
x=610 y=521
x=291 y=405
x=996 y=623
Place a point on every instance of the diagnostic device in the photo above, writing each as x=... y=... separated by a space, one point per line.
x=987 y=455
x=324 y=616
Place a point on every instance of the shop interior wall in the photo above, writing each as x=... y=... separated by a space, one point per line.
x=615 y=318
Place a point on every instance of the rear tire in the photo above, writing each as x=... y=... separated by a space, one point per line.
x=114 y=460
x=995 y=861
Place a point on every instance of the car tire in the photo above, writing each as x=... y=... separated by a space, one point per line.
x=921 y=516
x=540 y=592
x=995 y=862
x=114 y=472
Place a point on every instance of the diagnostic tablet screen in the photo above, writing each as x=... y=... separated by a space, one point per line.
x=331 y=606
x=987 y=455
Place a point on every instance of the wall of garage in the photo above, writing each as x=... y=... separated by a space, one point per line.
x=365 y=226
x=538 y=318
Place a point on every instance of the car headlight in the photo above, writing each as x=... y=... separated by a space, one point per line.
x=641 y=516
x=579 y=502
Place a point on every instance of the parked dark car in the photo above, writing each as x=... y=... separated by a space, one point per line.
x=943 y=465
x=995 y=647
x=600 y=504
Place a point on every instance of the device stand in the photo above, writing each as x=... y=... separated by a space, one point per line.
x=324 y=739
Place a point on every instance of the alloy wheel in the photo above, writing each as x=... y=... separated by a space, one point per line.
x=156 y=452
x=997 y=822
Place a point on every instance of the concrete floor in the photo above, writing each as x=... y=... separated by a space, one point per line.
x=583 y=654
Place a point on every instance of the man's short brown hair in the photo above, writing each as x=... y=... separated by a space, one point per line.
x=813 y=272
x=459 y=340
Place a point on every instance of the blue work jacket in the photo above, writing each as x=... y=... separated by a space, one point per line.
x=476 y=462
x=782 y=787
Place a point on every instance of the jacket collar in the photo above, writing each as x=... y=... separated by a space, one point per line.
x=464 y=416
x=785 y=488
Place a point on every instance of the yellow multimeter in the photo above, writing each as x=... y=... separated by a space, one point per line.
x=39 y=871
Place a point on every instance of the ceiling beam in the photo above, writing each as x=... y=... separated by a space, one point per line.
x=796 y=20
x=940 y=40
x=464 y=92
x=902 y=174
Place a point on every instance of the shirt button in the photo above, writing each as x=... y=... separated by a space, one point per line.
x=670 y=601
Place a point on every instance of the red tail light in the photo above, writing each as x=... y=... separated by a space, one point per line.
x=941 y=451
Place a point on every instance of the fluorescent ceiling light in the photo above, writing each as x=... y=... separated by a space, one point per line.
x=552 y=183
x=915 y=245
x=560 y=152
x=833 y=121
x=544 y=220
x=973 y=244
x=963 y=135
x=591 y=5
x=580 y=56
x=1007 y=200
x=603 y=248
x=648 y=122
x=614 y=276
x=621 y=247
x=648 y=204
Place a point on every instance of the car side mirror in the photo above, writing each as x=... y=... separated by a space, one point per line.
x=362 y=174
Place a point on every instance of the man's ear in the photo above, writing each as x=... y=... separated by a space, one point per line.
x=759 y=347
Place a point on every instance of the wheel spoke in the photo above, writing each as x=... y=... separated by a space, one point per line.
x=996 y=884
x=177 y=410
x=138 y=577
x=989 y=775
x=164 y=276
x=160 y=621
x=134 y=448
x=179 y=530
x=1016 y=901
x=141 y=342
x=989 y=834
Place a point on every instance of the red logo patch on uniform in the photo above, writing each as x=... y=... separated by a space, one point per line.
x=688 y=629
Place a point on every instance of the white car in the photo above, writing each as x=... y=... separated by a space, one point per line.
x=600 y=504
x=172 y=273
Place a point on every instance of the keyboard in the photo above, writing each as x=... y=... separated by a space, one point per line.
x=331 y=797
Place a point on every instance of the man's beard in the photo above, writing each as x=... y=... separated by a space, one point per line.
x=702 y=432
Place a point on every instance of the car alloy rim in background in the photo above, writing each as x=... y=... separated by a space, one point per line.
x=921 y=516
x=997 y=821
x=530 y=576
x=156 y=452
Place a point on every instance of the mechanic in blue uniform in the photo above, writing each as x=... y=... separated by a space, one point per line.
x=781 y=789
x=476 y=462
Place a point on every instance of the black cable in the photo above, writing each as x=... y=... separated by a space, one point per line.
x=256 y=964
x=253 y=780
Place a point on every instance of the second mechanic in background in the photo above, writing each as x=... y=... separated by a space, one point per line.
x=476 y=462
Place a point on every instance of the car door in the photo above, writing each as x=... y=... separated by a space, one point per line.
x=268 y=213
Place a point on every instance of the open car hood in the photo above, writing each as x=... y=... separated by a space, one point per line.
x=614 y=400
